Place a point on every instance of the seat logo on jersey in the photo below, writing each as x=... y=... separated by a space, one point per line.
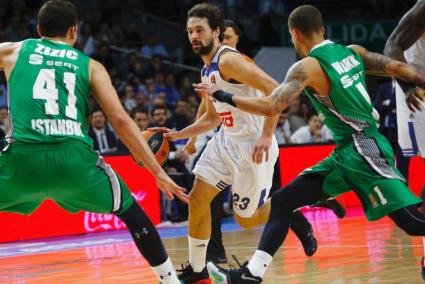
x=36 y=59
x=226 y=118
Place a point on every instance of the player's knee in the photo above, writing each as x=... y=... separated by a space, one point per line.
x=197 y=199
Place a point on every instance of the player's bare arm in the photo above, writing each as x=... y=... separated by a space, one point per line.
x=209 y=120
x=296 y=80
x=127 y=130
x=8 y=54
x=408 y=31
x=234 y=67
x=190 y=147
x=381 y=65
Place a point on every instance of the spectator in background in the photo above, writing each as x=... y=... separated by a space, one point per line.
x=173 y=93
x=104 y=56
x=175 y=165
x=313 y=132
x=139 y=87
x=160 y=86
x=141 y=117
x=152 y=47
x=385 y=104
x=14 y=29
x=191 y=111
x=104 y=140
x=132 y=36
x=156 y=66
x=283 y=132
x=129 y=99
x=85 y=40
x=295 y=116
x=179 y=117
x=3 y=94
x=3 y=118
x=134 y=66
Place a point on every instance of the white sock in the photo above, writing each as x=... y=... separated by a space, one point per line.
x=259 y=263
x=165 y=273
x=197 y=253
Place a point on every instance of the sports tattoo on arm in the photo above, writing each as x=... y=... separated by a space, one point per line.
x=291 y=88
x=377 y=64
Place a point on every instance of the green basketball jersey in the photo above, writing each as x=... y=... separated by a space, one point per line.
x=347 y=109
x=49 y=90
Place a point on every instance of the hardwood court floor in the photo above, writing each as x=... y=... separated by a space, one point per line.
x=351 y=251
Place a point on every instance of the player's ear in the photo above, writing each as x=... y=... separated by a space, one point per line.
x=72 y=33
x=322 y=30
x=297 y=34
x=39 y=31
x=216 y=32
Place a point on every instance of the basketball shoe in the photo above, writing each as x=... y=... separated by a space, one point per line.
x=240 y=275
x=186 y=275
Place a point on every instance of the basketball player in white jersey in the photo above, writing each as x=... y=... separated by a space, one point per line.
x=241 y=154
x=407 y=44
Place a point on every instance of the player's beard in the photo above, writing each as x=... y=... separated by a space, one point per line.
x=204 y=49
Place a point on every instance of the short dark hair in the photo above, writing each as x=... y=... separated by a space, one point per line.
x=231 y=24
x=307 y=19
x=139 y=109
x=155 y=107
x=211 y=12
x=55 y=17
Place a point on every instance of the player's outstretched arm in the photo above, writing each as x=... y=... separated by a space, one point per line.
x=127 y=130
x=281 y=97
x=190 y=146
x=410 y=28
x=209 y=120
x=381 y=65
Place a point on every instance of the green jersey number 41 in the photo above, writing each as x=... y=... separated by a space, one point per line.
x=45 y=89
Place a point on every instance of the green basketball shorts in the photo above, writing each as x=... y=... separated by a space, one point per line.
x=366 y=165
x=69 y=173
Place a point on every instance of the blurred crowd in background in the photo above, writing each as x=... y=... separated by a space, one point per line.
x=153 y=75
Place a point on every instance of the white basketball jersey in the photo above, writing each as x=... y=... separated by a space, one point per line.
x=411 y=125
x=416 y=53
x=236 y=123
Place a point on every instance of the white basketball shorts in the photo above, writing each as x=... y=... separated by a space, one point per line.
x=411 y=127
x=227 y=161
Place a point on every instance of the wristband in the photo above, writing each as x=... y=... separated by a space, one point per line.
x=224 y=98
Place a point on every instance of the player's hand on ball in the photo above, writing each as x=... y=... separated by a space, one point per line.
x=190 y=146
x=167 y=132
x=261 y=146
x=170 y=188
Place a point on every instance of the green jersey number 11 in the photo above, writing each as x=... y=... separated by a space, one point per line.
x=45 y=89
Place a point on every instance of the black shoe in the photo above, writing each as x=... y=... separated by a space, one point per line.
x=334 y=205
x=240 y=275
x=423 y=268
x=217 y=258
x=309 y=243
x=187 y=276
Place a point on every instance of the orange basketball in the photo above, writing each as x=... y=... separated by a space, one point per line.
x=159 y=145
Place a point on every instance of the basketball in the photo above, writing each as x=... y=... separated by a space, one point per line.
x=159 y=145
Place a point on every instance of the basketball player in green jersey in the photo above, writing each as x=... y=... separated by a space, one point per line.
x=333 y=77
x=49 y=154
